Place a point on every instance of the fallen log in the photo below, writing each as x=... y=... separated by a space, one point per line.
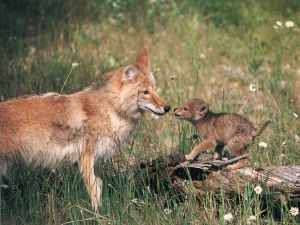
x=207 y=175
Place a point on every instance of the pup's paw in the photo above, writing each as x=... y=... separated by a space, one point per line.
x=217 y=156
x=189 y=158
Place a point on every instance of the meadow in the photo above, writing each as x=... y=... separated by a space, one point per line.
x=240 y=56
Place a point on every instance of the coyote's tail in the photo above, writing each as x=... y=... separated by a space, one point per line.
x=261 y=129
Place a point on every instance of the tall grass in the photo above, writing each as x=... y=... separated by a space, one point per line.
x=208 y=49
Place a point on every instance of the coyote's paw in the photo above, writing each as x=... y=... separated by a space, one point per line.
x=96 y=194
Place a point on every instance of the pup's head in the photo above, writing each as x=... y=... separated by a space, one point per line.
x=194 y=110
x=133 y=88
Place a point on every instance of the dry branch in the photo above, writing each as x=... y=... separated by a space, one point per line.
x=207 y=175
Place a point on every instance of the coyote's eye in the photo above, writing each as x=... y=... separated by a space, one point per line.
x=146 y=92
x=184 y=108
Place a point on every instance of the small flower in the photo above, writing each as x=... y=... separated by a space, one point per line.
x=228 y=217
x=263 y=144
x=251 y=219
x=295 y=115
x=289 y=24
x=167 y=211
x=294 y=211
x=275 y=26
x=32 y=50
x=75 y=64
x=252 y=87
x=202 y=56
x=258 y=189
x=279 y=23
x=283 y=143
x=298 y=175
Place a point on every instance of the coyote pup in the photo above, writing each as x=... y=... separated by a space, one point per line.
x=218 y=130
x=52 y=129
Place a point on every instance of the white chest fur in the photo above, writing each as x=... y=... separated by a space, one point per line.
x=119 y=134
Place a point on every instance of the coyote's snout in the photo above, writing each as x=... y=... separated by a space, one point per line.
x=149 y=100
x=80 y=127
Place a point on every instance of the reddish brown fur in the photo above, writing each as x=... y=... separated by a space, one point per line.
x=52 y=128
x=218 y=130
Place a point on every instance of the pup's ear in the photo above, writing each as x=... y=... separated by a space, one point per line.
x=129 y=73
x=142 y=60
x=201 y=111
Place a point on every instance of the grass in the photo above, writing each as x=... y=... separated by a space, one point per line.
x=213 y=49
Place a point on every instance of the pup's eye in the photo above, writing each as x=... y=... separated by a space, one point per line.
x=184 y=108
x=145 y=92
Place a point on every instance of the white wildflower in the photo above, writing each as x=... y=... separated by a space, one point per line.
x=295 y=115
x=251 y=219
x=167 y=211
x=294 y=211
x=263 y=144
x=252 y=87
x=228 y=217
x=279 y=23
x=275 y=26
x=202 y=56
x=289 y=24
x=258 y=190
x=32 y=50
x=283 y=143
x=298 y=175
x=75 y=64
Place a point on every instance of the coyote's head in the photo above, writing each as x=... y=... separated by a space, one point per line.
x=132 y=88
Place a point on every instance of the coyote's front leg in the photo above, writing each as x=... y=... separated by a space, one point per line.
x=92 y=183
x=206 y=144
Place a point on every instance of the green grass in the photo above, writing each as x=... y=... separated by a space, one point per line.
x=215 y=50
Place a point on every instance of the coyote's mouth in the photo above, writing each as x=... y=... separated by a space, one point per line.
x=157 y=113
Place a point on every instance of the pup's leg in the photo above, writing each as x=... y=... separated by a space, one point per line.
x=238 y=146
x=93 y=184
x=206 y=144
x=240 y=164
x=218 y=152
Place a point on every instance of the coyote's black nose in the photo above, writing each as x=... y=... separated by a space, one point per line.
x=167 y=108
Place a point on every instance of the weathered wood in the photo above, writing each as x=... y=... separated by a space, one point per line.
x=207 y=175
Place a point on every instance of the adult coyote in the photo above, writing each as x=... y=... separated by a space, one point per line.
x=51 y=129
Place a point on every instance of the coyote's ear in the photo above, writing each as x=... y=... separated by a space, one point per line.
x=142 y=60
x=129 y=73
x=201 y=111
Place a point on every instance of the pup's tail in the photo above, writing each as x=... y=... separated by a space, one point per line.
x=261 y=129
